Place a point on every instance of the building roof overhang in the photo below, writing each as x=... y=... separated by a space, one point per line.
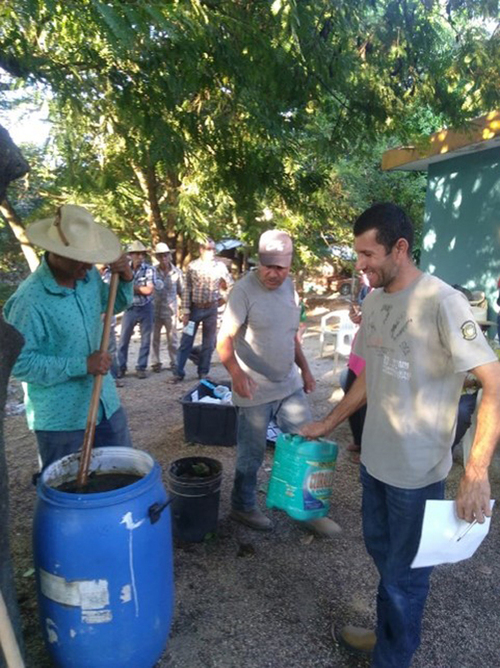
x=481 y=134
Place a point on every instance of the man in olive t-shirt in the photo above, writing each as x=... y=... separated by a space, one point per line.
x=258 y=344
x=419 y=338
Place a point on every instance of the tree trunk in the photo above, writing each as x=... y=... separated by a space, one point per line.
x=12 y=163
x=12 y=166
x=16 y=225
x=149 y=186
x=11 y=343
x=173 y=185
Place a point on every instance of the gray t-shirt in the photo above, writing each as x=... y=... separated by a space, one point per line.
x=265 y=341
x=418 y=344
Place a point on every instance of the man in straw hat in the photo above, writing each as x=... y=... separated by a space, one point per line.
x=165 y=306
x=58 y=311
x=259 y=345
x=140 y=312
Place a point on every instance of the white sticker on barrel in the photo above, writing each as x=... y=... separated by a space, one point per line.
x=51 y=629
x=126 y=594
x=86 y=594
x=96 y=616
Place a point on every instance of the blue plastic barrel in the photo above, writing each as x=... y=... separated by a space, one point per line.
x=302 y=476
x=103 y=564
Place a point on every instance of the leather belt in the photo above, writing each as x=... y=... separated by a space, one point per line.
x=204 y=304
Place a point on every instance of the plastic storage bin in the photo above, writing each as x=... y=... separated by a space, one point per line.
x=208 y=424
x=302 y=477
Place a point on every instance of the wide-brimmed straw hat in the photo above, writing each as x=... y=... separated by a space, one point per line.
x=162 y=247
x=136 y=247
x=73 y=233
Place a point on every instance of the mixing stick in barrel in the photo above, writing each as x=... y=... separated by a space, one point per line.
x=88 y=439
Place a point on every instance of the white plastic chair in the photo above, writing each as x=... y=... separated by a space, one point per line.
x=343 y=332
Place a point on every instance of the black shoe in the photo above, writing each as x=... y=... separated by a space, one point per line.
x=156 y=367
x=121 y=373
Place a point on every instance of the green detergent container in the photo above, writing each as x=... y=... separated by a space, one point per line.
x=302 y=476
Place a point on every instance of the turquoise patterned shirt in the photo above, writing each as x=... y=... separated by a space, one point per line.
x=61 y=328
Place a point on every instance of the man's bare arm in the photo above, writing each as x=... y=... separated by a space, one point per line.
x=473 y=498
x=144 y=290
x=353 y=400
x=242 y=384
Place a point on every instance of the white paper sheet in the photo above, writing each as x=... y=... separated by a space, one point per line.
x=447 y=539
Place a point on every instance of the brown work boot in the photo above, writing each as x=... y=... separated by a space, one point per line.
x=355 y=638
x=255 y=519
x=324 y=526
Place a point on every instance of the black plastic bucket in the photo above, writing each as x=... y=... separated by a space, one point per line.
x=194 y=484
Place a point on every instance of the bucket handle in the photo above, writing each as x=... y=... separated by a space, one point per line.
x=156 y=510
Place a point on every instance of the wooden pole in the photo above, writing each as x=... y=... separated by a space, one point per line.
x=10 y=648
x=88 y=439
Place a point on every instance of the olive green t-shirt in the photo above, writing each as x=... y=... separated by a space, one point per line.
x=418 y=344
x=264 y=344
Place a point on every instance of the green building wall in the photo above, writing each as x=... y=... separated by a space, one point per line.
x=461 y=238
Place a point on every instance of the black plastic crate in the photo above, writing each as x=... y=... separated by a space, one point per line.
x=208 y=424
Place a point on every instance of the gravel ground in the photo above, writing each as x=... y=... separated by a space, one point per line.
x=256 y=600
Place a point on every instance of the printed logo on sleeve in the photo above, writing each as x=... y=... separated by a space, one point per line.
x=469 y=330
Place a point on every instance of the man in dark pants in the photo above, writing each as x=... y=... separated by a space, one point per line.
x=141 y=311
x=205 y=277
x=418 y=337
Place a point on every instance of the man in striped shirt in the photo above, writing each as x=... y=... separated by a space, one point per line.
x=205 y=277
x=141 y=311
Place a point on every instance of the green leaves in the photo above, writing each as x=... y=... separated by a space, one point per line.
x=232 y=107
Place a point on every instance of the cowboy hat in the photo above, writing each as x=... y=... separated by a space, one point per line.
x=162 y=248
x=136 y=247
x=73 y=233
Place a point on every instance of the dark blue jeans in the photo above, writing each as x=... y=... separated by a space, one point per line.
x=52 y=445
x=143 y=316
x=392 y=526
x=208 y=319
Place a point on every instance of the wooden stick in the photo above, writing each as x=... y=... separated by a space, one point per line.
x=88 y=439
x=8 y=640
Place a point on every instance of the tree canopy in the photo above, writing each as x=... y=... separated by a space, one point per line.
x=175 y=120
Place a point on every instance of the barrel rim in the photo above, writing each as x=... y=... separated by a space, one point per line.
x=70 y=499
